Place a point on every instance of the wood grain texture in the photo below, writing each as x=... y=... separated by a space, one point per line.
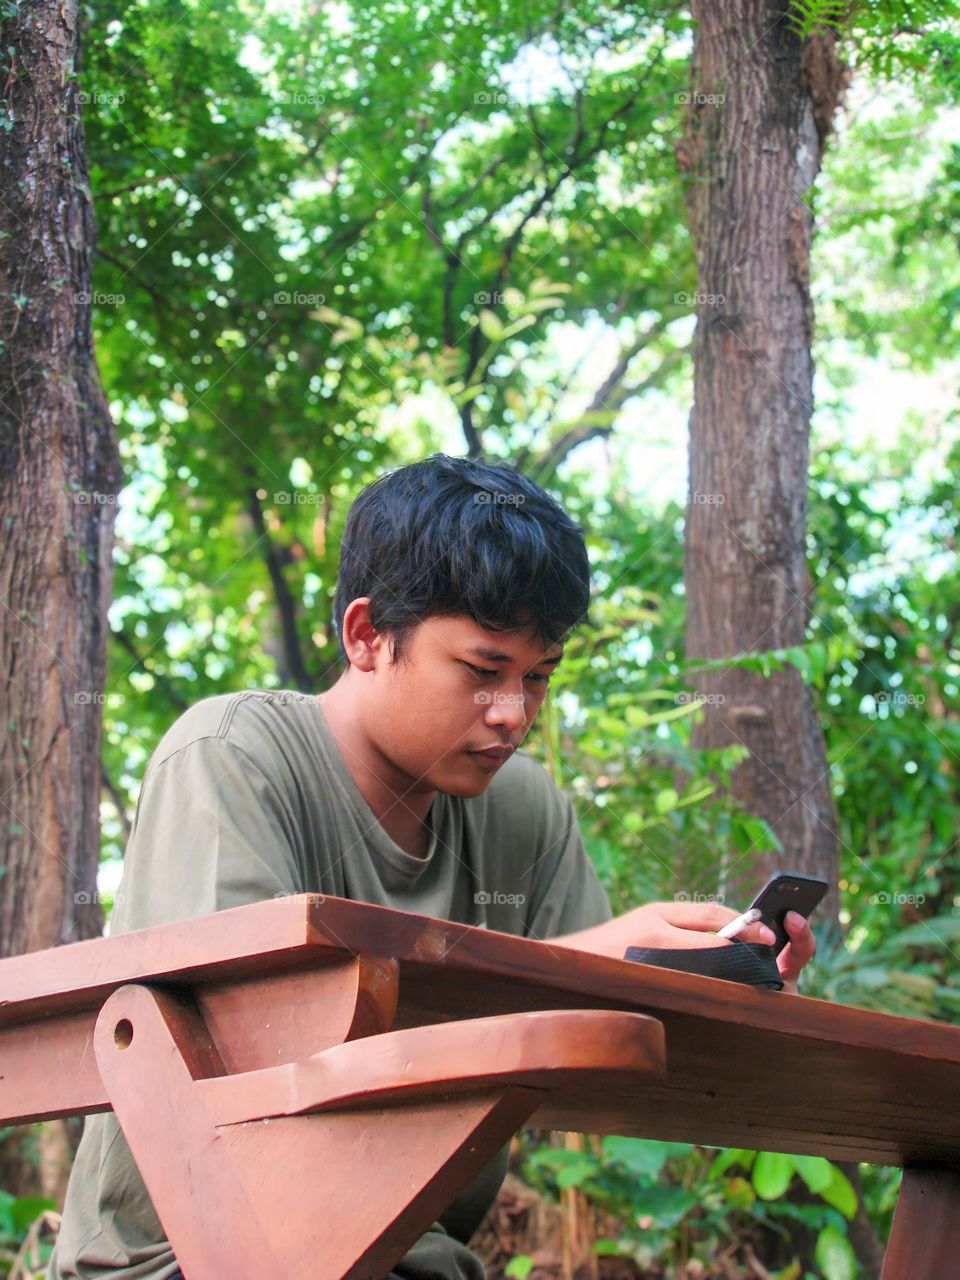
x=243 y=1190
x=744 y=1067
x=583 y=1050
x=924 y=1240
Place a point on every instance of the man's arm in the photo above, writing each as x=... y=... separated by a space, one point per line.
x=691 y=924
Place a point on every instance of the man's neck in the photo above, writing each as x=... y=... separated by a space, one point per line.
x=401 y=811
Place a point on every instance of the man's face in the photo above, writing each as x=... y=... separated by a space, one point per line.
x=459 y=690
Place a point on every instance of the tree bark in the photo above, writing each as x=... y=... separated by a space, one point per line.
x=59 y=477
x=760 y=109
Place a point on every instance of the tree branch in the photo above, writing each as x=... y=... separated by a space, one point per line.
x=140 y=664
x=612 y=395
x=118 y=802
x=292 y=668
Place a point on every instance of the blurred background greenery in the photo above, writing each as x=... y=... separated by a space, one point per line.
x=334 y=238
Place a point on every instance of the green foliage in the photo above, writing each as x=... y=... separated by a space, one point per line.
x=520 y=1266
x=674 y=1196
x=346 y=236
x=25 y=1244
x=834 y=1255
x=889 y=37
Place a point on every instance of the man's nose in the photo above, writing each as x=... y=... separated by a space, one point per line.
x=508 y=709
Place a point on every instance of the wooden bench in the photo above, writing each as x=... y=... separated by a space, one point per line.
x=261 y=1059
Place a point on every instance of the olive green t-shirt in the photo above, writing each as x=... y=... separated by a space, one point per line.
x=248 y=796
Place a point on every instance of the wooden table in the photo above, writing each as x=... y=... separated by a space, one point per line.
x=260 y=1061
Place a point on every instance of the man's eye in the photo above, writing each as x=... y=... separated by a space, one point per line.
x=539 y=679
x=480 y=671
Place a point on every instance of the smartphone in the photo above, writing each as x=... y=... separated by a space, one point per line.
x=787 y=891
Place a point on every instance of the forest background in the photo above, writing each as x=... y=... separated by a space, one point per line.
x=327 y=239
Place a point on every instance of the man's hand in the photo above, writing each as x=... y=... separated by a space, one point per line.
x=692 y=924
x=799 y=950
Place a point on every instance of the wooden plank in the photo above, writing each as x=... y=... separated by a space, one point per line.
x=924 y=1240
x=340 y=1196
x=584 y=1049
x=264 y=937
x=825 y=1078
x=48 y=1067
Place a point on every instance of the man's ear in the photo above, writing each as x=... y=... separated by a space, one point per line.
x=361 y=640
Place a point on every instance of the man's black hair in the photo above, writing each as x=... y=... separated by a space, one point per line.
x=459 y=536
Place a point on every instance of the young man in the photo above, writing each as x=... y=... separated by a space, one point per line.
x=401 y=785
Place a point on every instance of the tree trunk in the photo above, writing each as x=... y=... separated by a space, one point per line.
x=760 y=108
x=59 y=476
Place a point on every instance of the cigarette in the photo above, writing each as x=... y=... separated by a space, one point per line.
x=739 y=924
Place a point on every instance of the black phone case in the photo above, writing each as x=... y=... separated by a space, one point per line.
x=788 y=891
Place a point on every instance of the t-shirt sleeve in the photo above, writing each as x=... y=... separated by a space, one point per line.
x=211 y=831
x=536 y=855
x=569 y=896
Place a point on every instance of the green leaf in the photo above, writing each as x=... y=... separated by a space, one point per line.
x=25 y=1210
x=574 y=1175
x=540 y=304
x=839 y=1193
x=698 y=794
x=7 y=1226
x=520 y=1266
x=814 y=1170
x=799 y=658
x=936 y=932
x=666 y=800
x=772 y=1174
x=469 y=394
x=733 y=1155
x=607 y=1247
x=739 y=1193
x=642 y=1156
x=490 y=325
x=612 y=726
x=834 y=1255
x=668 y=1206
x=542 y=285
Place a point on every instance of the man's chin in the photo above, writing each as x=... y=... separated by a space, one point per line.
x=466 y=781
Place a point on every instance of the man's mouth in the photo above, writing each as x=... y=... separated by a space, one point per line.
x=494 y=755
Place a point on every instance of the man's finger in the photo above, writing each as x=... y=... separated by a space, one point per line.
x=758 y=933
x=703 y=916
x=801 y=949
x=709 y=917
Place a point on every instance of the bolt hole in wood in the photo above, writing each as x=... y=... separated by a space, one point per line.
x=123 y=1033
